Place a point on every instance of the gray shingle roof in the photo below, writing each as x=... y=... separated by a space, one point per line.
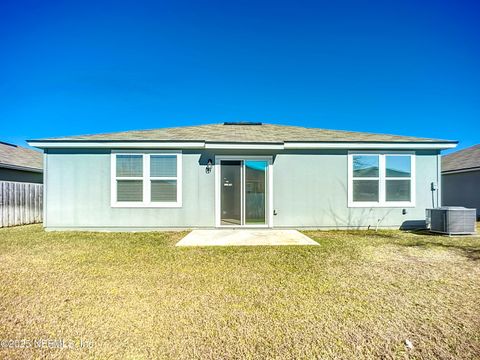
x=468 y=158
x=264 y=133
x=17 y=156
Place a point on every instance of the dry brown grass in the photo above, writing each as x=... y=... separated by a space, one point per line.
x=358 y=295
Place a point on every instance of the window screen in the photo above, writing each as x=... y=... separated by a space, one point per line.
x=129 y=165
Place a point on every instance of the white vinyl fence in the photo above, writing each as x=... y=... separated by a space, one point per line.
x=20 y=203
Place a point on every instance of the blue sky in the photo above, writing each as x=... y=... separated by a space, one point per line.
x=401 y=67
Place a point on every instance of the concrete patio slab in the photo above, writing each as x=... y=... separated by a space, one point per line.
x=245 y=237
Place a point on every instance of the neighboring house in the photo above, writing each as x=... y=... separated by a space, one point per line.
x=461 y=178
x=239 y=175
x=20 y=164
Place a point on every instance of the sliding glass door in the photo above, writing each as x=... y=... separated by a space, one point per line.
x=243 y=192
x=231 y=192
x=255 y=194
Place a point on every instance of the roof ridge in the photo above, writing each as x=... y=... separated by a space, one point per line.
x=265 y=133
x=354 y=132
x=125 y=131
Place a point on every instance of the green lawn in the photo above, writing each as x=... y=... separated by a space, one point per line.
x=359 y=295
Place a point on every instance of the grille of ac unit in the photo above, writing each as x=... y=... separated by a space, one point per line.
x=452 y=220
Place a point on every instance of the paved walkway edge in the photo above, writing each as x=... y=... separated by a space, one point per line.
x=245 y=237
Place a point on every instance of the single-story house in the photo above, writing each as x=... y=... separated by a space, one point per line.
x=461 y=178
x=239 y=175
x=20 y=164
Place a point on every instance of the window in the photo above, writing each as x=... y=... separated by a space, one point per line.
x=366 y=178
x=381 y=180
x=163 y=178
x=398 y=178
x=129 y=178
x=146 y=180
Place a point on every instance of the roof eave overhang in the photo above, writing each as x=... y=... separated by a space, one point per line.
x=81 y=144
x=367 y=145
x=134 y=144
x=456 y=171
x=21 y=168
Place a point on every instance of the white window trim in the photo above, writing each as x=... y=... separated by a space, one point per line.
x=382 y=203
x=146 y=203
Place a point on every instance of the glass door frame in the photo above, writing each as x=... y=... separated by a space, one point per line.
x=268 y=191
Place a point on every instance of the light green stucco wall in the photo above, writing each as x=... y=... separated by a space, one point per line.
x=309 y=190
x=78 y=195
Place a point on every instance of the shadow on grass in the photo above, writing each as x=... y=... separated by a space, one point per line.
x=472 y=252
x=426 y=232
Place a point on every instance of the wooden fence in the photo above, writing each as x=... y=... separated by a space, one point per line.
x=20 y=203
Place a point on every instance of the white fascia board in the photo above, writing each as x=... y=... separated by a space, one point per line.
x=236 y=146
x=117 y=144
x=362 y=146
x=154 y=145
x=244 y=146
